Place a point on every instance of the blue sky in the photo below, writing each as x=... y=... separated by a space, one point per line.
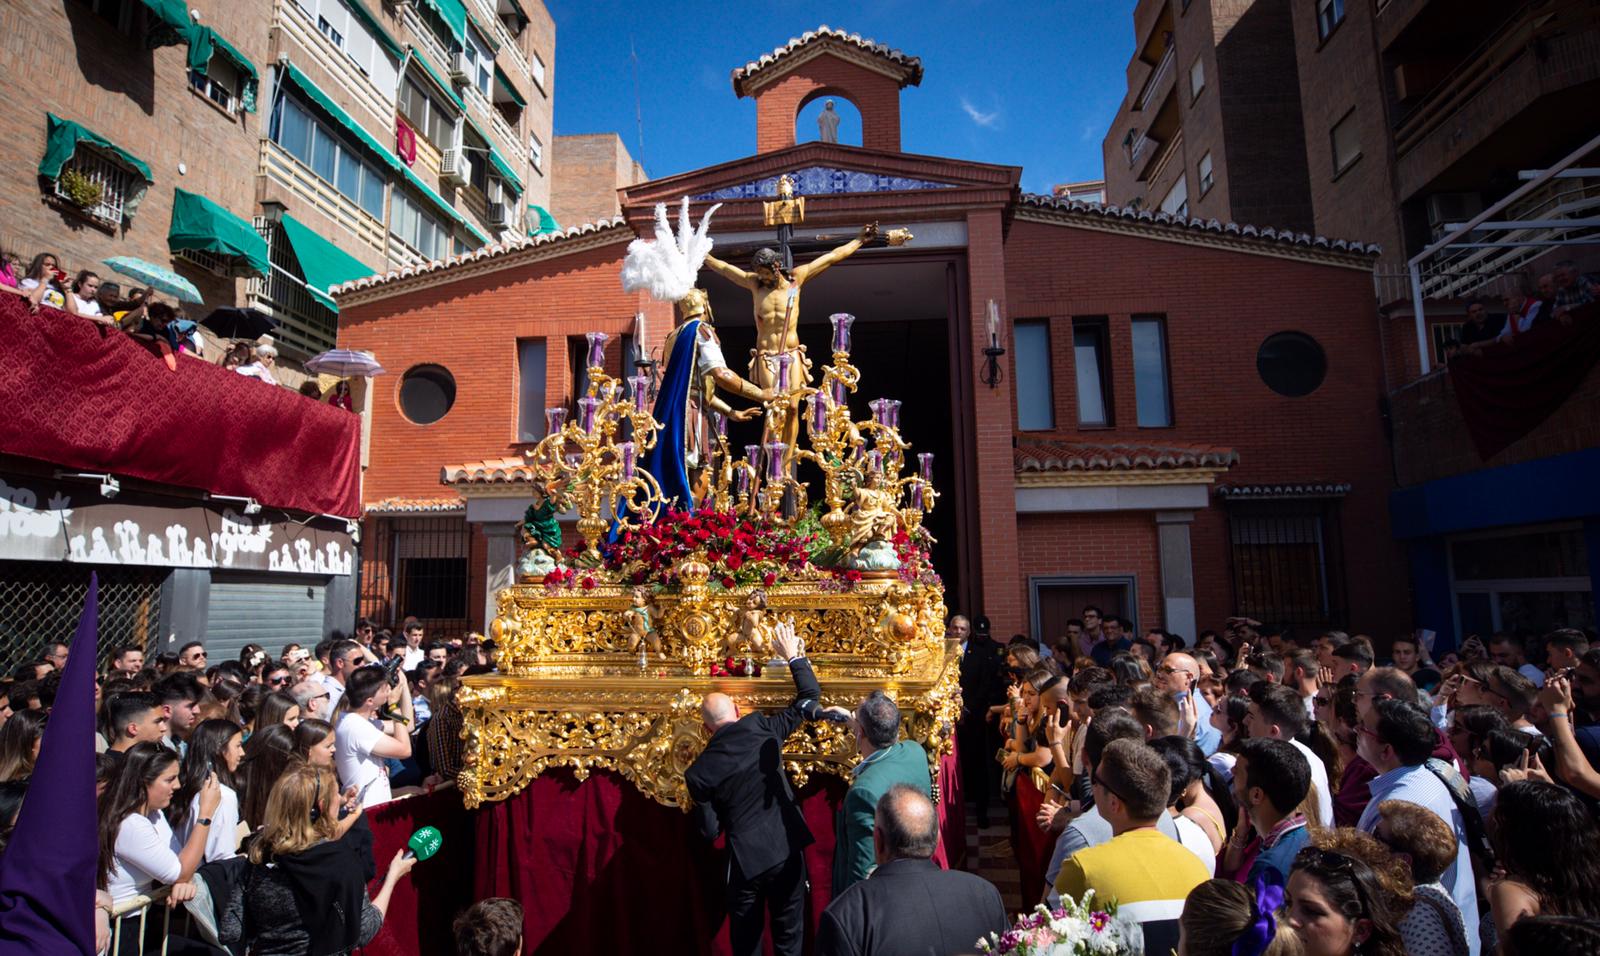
x=1030 y=84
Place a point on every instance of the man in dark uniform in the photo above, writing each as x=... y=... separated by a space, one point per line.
x=739 y=788
x=983 y=684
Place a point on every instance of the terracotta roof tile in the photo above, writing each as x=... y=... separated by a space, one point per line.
x=1310 y=489
x=1198 y=225
x=487 y=472
x=1118 y=456
x=404 y=506
x=909 y=66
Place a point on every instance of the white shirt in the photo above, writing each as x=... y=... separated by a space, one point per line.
x=1319 y=780
x=144 y=856
x=1223 y=761
x=222 y=842
x=51 y=296
x=412 y=658
x=1194 y=840
x=256 y=370
x=86 y=306
x=354 y=760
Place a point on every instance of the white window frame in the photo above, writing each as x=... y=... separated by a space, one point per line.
x=538 y=71
x=115 y=182
x=216 y=89
x=1330 y=13
x=445 y=115
x=480 y=58
x=1204 y=173
x=1197 y=78
x=536 y=153
x=345 y=153
x=1493 y=587
x=401 y=202
x=1176 y=201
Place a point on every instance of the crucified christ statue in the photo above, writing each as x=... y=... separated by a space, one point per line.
x=775 y=295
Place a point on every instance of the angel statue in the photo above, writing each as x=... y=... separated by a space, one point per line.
x=541 y=533
x=666 y=267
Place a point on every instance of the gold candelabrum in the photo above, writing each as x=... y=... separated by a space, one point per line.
x=589 y=457
x=603 y=666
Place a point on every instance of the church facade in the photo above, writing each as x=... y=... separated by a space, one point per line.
x=1185 y=423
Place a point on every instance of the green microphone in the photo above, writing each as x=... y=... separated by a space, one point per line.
x=424 y=843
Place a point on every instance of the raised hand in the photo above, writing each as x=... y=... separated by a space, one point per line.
x=785 y=640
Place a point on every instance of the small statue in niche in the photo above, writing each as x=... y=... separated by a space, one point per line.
x=641 y=632
x=750 y=626
x=541 y=533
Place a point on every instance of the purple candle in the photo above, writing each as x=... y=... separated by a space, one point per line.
x=925 y=463
x=741 y=479
x=892 y=412
x=629 y=451
x=752 y=454
x=775 y=450
x=819 y=412
x=641 y=388
x=838 y=393
x=722 y=424
x=586 y=407
x=783 y=371
x=880 y=410
x=875 y=460
x=597 y=348
x=916 y=495
x=554 y=418
x=841 y=330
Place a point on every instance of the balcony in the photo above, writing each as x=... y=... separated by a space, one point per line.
x=85 y=398
x=1159 y=84
x=425 y=39
x=286 y=172
x=377 y=106
x=1530 y=74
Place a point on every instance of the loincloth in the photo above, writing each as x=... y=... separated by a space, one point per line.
x=799 y=369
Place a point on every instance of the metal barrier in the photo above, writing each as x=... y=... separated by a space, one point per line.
x=43 y=599
x=133 y=915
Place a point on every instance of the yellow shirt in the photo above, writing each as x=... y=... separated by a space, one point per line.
x=1147 y=872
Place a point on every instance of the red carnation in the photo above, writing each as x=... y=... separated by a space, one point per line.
x=735 y=562
x=587 y=583
x=728 y=581
x=768 y=579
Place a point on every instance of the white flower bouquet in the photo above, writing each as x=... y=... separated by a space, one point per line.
x=1076 y=928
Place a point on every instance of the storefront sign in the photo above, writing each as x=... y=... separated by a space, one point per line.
x=45 y=521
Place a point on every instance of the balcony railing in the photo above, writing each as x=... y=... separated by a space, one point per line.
x=425 y=39
x=112 y=179
x=1157 y=79
x=280 y=167
x=377 y=105
x=304 y=324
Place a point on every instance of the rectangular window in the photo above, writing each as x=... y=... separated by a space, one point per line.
x=530 y=389
x=1205 y=173
x=1197 y=79
x=414 y=226
x=333 y=33
x=324 y=154
x=116 y=12
x=1287 y=562
x=578 y=364
x=1035 y=390
x=480 y=62
x=1330 y=13
x=538 y=71
x=436 y=124
x=536 y=153
x=1346 y=143
x=1151 y=389
x=477 y=153
x=1092 y=370
x=1177 y=199
x=114 y=181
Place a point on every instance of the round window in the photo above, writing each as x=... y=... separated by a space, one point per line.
x=1291 y=363
x=426 y=393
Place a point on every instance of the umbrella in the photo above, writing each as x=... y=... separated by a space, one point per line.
x=345 y=363
x=232 y=323
x=159 y=278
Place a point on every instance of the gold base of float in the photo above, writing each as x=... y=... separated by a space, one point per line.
x=574 y=695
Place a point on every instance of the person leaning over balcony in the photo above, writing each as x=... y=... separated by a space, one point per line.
x=83 y=296
x=43 y=281
x=264 y=364
x=11 y=278
x=1573 y=289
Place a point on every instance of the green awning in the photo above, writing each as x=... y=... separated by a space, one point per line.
x=376 y=28
x=301 y=82
x=324 y=264
x=497 y=159
x=546 y=222
x=204 y=43
x=61 y=141
x=451 y=13
x=169 y=23
x=199 y=223
x=505 y=84
x=438 y=81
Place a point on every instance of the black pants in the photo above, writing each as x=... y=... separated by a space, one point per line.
x=977 y=740
x=780 y=891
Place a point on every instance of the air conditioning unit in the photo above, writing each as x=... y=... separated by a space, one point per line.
x=499 y=215
x=455 y=166
x=1451 y=209
x=460 y=68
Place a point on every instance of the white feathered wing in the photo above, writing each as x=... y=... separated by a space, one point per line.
x=667 y=266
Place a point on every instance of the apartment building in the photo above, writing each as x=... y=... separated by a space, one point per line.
x=1210 y=124
x=314 y=140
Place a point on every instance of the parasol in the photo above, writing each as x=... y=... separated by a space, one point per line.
x=159 y=278
x=233 y=323
x=345 y=363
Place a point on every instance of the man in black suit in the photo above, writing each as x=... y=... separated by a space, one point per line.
x=909 y=905
x=739 y=788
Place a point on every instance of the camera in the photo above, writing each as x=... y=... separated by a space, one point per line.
x=391 y=670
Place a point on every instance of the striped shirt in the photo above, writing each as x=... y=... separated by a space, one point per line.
x=1146 y=872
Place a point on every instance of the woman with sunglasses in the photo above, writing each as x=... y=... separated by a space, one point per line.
x=1338 y=908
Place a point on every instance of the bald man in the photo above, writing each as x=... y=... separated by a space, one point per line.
x=1177 y=675
x=739 y=788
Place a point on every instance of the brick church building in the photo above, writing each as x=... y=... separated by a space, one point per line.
x=1186 y=424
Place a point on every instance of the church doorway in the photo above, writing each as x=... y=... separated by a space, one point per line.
x=904 y=303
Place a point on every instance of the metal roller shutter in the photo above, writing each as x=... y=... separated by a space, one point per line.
x=269 y=610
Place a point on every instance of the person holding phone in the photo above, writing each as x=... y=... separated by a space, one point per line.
x=364 y=741
x=215 y=749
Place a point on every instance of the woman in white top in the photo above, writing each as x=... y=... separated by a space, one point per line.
x=83 y=296
x=135 y=841
x=215 y=749
x=41 y=283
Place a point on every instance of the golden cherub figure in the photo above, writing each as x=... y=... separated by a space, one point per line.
x=750 y=626
x=637 y=620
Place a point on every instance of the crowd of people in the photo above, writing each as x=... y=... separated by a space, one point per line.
x=42 y=282
x=1299 y=793
x=1553 y=297
x=244 y=783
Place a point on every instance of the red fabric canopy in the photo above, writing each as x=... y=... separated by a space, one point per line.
x=596 y=865
x=83 y=396
x=1506 y=390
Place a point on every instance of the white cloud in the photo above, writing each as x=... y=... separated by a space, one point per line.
x=987 y=120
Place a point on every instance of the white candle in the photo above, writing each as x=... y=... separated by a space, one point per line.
x=638 y=334
x=994 y=324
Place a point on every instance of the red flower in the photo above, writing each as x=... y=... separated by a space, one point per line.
x=768 y=579
x=587 y=583
x=728 y=582
x=735 y=562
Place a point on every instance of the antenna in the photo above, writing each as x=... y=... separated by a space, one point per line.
x=638 y=108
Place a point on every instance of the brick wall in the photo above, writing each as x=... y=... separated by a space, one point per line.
x=876 y=97
x=1108 y=543
x=1220 y=305
x=539 y=38
x=588 y=170
x=65 y=59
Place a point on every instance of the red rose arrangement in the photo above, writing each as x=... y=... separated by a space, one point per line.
x=739 y=549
